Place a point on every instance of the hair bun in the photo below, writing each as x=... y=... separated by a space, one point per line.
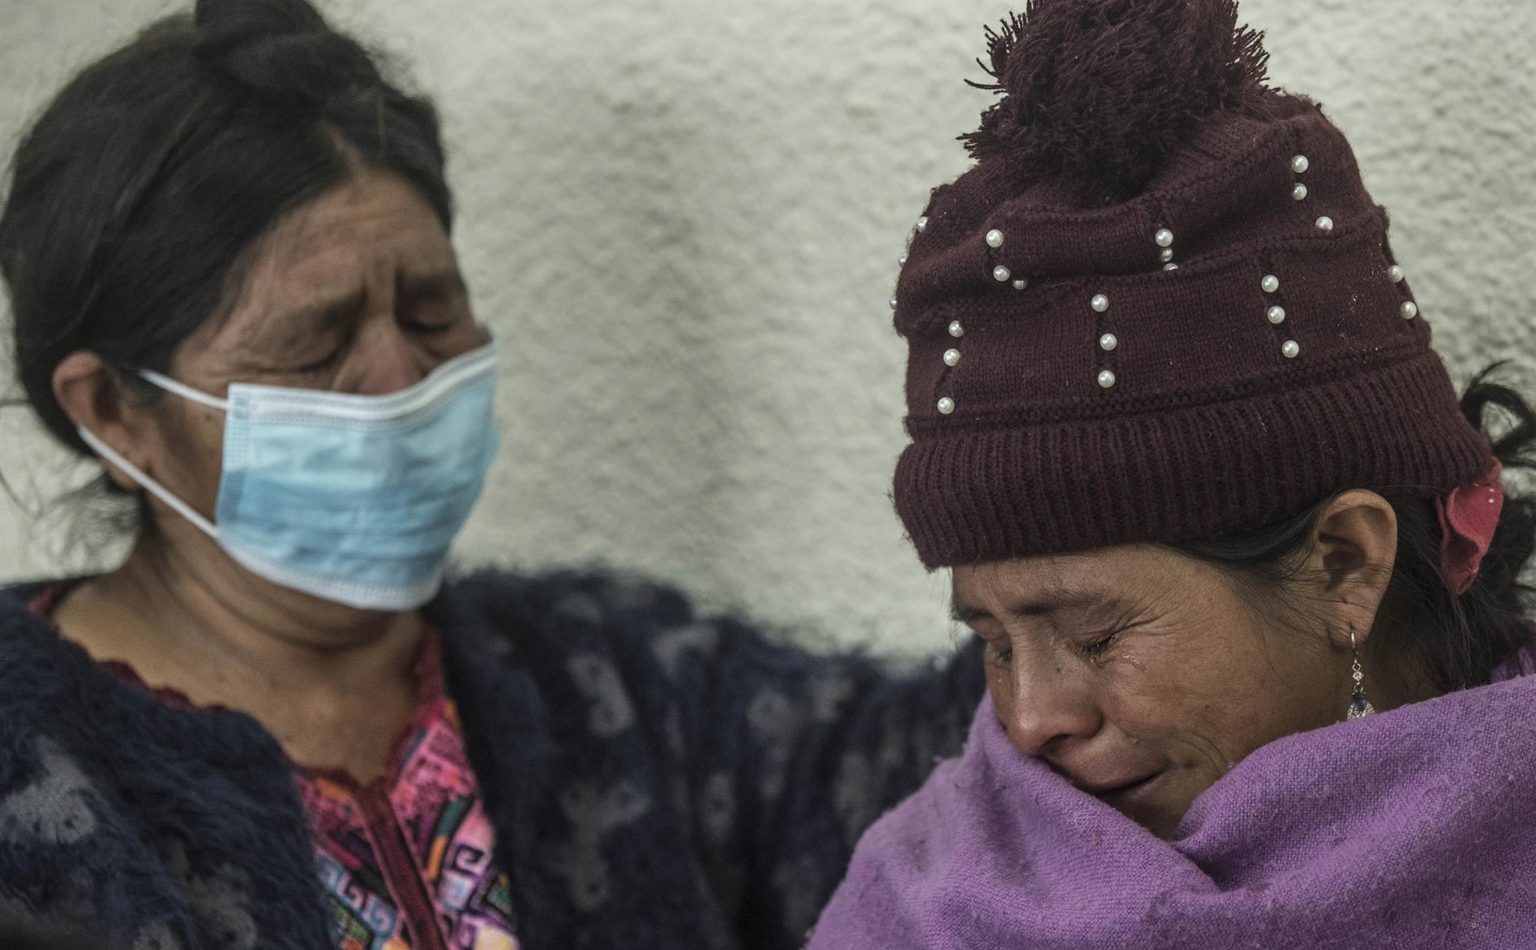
x=1097 y=93
x=281 y=51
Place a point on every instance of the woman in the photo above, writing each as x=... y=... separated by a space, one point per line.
x=1257 y=655
x=274 y=726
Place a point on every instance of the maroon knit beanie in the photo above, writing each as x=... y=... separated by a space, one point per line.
x=1161 y=305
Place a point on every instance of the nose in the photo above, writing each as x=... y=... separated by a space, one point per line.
x=387 y=362
x=1044 y=705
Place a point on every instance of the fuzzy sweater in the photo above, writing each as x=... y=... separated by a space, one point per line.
x=656 y=780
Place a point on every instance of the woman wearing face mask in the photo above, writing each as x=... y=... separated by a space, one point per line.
x=1257 y=653
x=274 y=726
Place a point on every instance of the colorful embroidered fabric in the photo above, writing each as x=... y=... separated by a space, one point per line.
x=406 y=860
x=412 y=849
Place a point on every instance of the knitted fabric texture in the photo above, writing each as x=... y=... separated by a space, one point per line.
x=1193 y=327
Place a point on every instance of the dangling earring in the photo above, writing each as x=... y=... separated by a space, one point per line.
x=1359 y=706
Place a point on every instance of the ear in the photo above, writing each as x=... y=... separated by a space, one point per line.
x=1354 y=548
x=94 y=399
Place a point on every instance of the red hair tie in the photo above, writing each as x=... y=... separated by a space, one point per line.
x=1468 y=517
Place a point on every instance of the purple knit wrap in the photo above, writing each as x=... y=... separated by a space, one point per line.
x=1414 y=828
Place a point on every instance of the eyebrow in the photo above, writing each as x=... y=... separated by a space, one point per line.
x=307 y=318
x=1052 y=598
x=442 y=285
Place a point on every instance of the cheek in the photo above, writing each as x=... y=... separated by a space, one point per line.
x=465 y=335
x=190 y=453
x=1218 y=689
x=1179 y=689
x=999 y=686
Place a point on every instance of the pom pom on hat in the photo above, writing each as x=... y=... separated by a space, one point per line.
x=1097 y=93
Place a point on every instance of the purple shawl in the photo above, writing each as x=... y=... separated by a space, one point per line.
x=1410 y=828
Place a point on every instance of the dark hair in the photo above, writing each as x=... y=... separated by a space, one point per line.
x=136 y=191
x=1453 y=641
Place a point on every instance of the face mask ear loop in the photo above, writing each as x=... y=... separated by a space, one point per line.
x=184 y=391
x=150 y=485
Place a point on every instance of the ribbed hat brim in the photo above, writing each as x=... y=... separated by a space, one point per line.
x=1197 y=471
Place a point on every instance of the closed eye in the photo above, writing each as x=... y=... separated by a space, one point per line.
x=432 y=303
x=422 y=326
x=326 y=363
x=1096 y=649
x=998 y=650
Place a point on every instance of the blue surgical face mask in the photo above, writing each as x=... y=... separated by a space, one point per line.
x=351 y=498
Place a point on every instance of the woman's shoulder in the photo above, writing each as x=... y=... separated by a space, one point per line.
x=104 y=787
x=582 y=590
x=565 y=609
x=613 y=639
x=34 y=656
x=16 y=597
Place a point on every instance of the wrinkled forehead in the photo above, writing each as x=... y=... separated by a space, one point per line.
x=1024 y=587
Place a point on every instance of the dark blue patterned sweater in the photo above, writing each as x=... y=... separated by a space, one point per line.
x=656 y=780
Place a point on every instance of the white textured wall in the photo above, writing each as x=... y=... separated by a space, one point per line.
x=683 y=218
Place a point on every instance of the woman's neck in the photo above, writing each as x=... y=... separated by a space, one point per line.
x=332 y=684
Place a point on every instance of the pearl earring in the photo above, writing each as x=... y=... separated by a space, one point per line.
x=1359 y=706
